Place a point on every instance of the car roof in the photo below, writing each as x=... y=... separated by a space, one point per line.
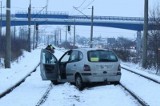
x=89 y=49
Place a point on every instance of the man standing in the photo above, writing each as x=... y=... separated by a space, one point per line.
x=48 y=54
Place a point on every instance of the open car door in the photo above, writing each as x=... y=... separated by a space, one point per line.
x=48 y=65
x=63 y=61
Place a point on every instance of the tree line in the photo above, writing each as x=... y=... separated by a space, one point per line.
x=18 y=43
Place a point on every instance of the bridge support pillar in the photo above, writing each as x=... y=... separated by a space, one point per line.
x=139 y=42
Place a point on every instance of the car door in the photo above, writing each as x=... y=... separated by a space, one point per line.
x=48 y=65
x=63 y=61
x=71 y=66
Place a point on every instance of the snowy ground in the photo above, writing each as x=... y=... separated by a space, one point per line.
x=29 y=92
x=107 y=95
x=145 y=89
x=26 y=64
x=140 y=70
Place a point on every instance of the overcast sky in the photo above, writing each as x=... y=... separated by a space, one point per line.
x=128 y=8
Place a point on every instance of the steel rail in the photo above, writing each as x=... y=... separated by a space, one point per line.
x=7 y=91
x=154 y=80
x=140 y=100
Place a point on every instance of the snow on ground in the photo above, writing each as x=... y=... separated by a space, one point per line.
x=107 y=95
x=145 y=89
x=27 y=63
x=140 y=70
x=29 y=92
x=8 y=77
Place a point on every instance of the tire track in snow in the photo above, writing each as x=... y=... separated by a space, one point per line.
x=45 y=95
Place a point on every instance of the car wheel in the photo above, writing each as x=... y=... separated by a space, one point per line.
x=79 y=82
x=55 y=82
x=116 y=82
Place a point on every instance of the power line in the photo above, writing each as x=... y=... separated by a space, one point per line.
x=78 y=7
x=81 y=4
x=88 y=5
x=81 y=12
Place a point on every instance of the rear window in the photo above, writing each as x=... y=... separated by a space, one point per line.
x=101 y=56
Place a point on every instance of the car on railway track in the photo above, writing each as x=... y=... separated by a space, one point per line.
x=81 y=66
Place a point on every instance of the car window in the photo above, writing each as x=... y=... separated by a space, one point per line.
x=101 y=56
x=74 y=56
x=66 y=57
x=80 y=55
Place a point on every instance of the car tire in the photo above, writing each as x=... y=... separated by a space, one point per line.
x=55 y=82
x=116 y=82
x=79 y=82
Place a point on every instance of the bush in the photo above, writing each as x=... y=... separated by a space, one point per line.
x=16 y=46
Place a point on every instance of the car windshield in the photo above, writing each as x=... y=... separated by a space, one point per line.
x=101 y=56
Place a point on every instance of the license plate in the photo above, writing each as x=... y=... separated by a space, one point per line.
x=104 y=67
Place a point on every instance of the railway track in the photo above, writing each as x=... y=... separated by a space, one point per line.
x=136 y=97
x=7 y=91
x=39 y=101
x=45 y=95
x=140 y=100
x=158 y=82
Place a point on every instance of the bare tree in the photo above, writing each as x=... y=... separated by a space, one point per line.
x=154 y=39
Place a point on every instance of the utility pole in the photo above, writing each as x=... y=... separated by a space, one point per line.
x=145 y=29
x=8 y=36
x=48 y=40
x=36 y=35
x=60 y=36
x=14 y=33
x=1 y=21
x=66 y=33
x=55 y=38
x=91 y=37
x=74 y=38
x=29 y=27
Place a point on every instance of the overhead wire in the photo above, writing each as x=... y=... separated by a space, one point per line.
x=88 y=5
x=81 y=4
x=77 y=8
x=81 y=12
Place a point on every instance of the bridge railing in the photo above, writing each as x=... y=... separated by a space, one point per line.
x=59 y=13
x=44 y=12
x=108 y=18
x=65 y=15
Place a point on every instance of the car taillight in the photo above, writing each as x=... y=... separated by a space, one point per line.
x=119 y=68
x=86 y=67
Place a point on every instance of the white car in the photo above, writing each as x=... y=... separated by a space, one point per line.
x=81 y=66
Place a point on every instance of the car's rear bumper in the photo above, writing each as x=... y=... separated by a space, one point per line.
x=109 y=78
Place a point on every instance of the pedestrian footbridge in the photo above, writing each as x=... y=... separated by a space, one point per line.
x=62 y=18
